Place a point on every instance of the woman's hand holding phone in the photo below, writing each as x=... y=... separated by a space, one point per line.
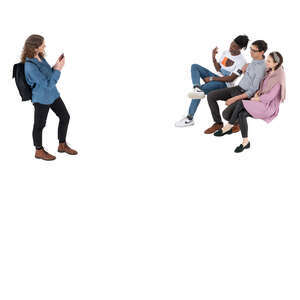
x=60 y=63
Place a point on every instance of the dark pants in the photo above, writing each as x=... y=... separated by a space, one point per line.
x=236 y=112
x=222 y=94
x=40 y=117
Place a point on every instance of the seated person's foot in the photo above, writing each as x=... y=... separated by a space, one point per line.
x=186 y=121
x=236 y=128
x=197 y=93
x=42 y=154
x=227 y=129
x=63 y=147
x=213 y=128
x=222 y=132
x=241 y=147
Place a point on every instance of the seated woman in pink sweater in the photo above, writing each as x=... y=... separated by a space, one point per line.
x=264 y=105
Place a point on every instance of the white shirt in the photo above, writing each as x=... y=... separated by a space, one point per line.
x=231 y=64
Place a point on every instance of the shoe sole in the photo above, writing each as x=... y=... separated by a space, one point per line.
x=242 y=150
x=193 y=95
x=227 y=133
x=66 y=152
x=187 y=125
x=211 y=132
x=45 y=159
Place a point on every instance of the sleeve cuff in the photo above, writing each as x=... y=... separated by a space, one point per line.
x=56 y=74
x=249 y=94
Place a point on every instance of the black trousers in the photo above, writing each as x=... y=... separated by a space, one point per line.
x=40 y=118
x=221 y=94
x=236 y=112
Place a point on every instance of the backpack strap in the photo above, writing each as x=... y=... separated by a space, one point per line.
x=36 y=66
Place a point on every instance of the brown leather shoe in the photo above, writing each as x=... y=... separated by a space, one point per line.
x=236 y=128
x=42 y=154
x=213 y=128
x=63 y=147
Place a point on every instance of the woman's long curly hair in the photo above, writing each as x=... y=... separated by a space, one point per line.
x=31 y=44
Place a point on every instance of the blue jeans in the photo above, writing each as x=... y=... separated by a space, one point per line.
x=198 y=72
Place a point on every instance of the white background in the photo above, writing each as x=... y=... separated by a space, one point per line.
x=147 y=210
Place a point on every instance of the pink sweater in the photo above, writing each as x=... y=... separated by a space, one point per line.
x=267 y=107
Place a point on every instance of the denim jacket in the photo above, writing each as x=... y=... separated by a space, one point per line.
x=42 y=78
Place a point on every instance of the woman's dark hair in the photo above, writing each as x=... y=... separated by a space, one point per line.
x=261 y=45
x=242 y=41
x=277 y=58
x=31 y=44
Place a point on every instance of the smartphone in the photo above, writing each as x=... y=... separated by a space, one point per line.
x=62 y=56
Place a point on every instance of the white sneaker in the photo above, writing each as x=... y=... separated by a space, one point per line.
x=184 y=122
x=197 y=93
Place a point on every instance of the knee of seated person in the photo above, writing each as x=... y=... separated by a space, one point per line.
x=194 y=66
x=211 y=96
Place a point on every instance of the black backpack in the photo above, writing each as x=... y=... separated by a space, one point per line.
x=25 y=90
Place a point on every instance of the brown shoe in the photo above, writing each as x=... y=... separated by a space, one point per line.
x=236 y=128
x=213 y=128
x=42 y=154
x=63 y=147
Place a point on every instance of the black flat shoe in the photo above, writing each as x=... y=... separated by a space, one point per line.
x=221 y=133
x=241 y=148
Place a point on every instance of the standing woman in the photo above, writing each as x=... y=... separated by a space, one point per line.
x=264 y=105
x=42 y=78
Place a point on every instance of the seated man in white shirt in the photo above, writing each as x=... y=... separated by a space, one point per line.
x=228 y=69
